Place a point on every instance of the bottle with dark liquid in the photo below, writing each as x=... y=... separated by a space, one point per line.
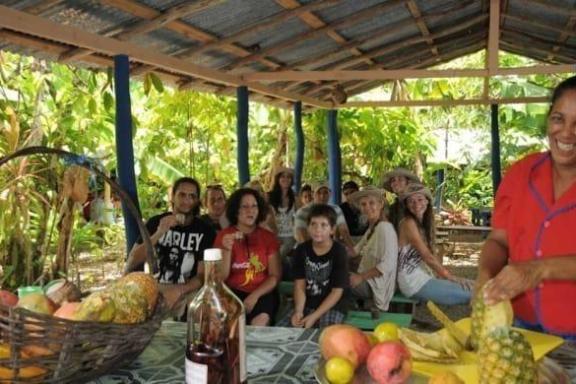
x=216 y=350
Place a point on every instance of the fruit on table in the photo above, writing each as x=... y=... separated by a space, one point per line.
x=67 y=310
x=144 y=283
x=505 y=357
x=62 y=290
x=389 y=363
x=438 y=347
x=7 y=298
x=344 y=341
x=25 y=372
x=486 y=317
x=37 y=302
x=446 y=377
x=450 y=326
x=339 y=370
x=98 y=306
x=130 y=303
x=386 y=332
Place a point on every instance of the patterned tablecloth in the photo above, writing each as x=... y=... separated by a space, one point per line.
x=275 y=355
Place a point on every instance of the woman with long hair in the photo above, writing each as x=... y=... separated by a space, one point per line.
x=251 y=266
x=283 y=201
x=375 y=277
x=420 y=274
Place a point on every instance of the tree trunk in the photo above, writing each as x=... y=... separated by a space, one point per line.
x=65 y=226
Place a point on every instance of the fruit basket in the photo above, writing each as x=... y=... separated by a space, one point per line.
x=40 y=348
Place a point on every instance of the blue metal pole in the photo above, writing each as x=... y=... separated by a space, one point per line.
x=495 y=130
x=299 y=163
x=124 y=148
x=334 y=158
x=242 y=135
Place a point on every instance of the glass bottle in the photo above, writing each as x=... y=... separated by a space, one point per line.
x=215 y=349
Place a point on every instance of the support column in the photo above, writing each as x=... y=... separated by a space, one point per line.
x=242 y=136
x=124 y=147
x=495 y=131
x=334 y=160
x=299 y=162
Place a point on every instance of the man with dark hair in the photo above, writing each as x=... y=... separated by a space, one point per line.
x=357 y=225
x=180 y=238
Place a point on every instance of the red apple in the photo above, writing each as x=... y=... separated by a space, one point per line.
x=345 y=341
x=389 y=363
x=67 y=310
x=7 y=298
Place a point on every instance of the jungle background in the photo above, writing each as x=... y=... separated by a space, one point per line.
x=176 y=133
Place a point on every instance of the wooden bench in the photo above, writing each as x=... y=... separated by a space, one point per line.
x=367 y=321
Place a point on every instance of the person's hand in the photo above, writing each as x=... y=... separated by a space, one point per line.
x=229 y=239
x=309 y=321
x=355 y=279
x=172 y=294
x=167 y=222
x=250 y=301
x=513 y=280
x=351 y=251
x=296 y=319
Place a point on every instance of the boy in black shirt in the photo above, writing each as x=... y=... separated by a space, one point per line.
x=320 y=270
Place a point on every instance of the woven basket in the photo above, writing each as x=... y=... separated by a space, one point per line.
x=37 y=348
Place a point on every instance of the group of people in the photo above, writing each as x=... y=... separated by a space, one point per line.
x=367 y=250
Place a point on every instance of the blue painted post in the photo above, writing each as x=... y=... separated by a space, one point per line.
x=495 y=130
x=242 y=135
x=334 y=160
x=124 y=148
x=439 y=188
x=299 y=163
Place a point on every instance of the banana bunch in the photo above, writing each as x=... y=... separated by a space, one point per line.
x=437 y=347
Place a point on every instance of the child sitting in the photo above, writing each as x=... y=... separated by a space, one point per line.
x=320 y=269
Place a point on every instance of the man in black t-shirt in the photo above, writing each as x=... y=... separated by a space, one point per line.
x=320 y=268
x=180 y=239
x=357 y=224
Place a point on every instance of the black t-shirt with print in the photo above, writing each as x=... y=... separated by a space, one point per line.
x=322 y=273
x=180 y=249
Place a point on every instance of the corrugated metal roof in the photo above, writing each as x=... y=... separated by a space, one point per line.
x=385 y=34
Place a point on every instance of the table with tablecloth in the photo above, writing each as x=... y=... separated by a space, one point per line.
x=274 y=355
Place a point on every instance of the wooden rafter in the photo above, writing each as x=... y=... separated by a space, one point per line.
x=551 y=5
x=562 y=38
x=493 y=37
x=415 y=11
x=443 y=103
x=37 y=26
x=263 y=25
x=343 y=22
x=521 y=38
x=536 y=23
x=389 y=48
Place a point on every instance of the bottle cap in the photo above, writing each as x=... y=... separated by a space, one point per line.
x=212 y=254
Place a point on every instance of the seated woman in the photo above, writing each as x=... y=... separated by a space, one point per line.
x=378 y=251
x=417 y=265
x=251 y=266
x=283 y=202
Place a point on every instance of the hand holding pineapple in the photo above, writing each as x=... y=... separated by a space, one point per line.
x=513 y=280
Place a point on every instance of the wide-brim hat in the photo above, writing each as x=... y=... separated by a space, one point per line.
x=414 y=188
x=369 y=190
x=411 y=177
x=283 y=169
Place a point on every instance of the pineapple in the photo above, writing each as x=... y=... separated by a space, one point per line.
x=486 y=317
x=505 y=357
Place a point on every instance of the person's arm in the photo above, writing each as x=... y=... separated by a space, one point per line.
x=299 y=302
x=137 y=254
x=493 y=257
x=174 y=292
x=411 y=234
x=330 y=301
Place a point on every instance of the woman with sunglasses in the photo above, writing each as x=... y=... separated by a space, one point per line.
x=251 y=265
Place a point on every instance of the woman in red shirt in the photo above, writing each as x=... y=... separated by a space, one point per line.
x=530 y=255
x=251 y=265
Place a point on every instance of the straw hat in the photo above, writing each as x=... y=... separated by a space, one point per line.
x=412 y=178
x=319 y=185
x=369 y=190
x=283 y=169
x=414 y=188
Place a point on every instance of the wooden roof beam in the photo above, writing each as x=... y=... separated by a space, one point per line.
x=562 y=38
x=413 y=7
x=551 y=5
x=145 y=12
x=529 y=41
x=340 y=23
x=538 y=24
x=443 y=103
x=37 y=26
x=267 y=23
x=493 y=37
x=521 y=49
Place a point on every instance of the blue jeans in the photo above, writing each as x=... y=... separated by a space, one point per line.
x=443 y=292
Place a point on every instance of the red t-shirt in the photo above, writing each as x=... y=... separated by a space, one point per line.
x=538 y=227
x=250 y=256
